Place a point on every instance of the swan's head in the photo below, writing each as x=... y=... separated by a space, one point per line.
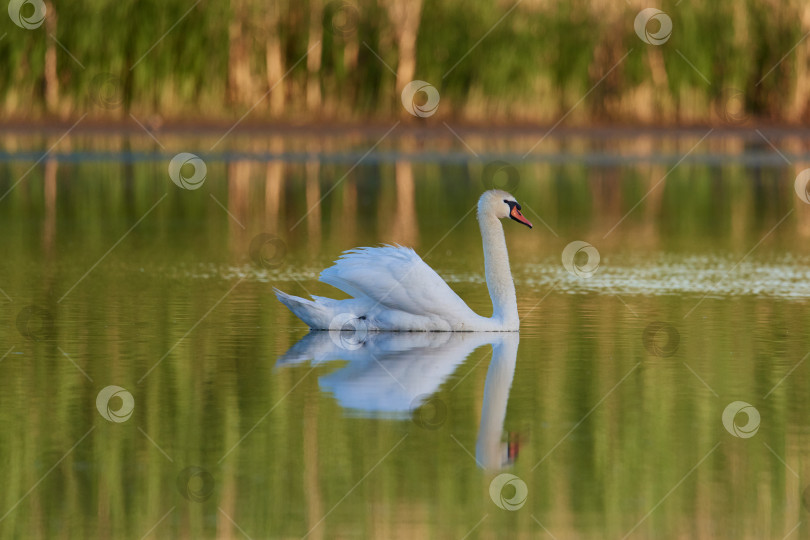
x=501 y=204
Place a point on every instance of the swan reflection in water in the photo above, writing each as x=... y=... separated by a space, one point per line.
x=392 y=374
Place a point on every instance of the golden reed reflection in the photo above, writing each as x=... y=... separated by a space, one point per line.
x=50 y=193
x=274 y=186
x=313 y=198
x=216 y=384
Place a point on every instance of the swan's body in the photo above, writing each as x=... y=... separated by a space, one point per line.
x=393 y=289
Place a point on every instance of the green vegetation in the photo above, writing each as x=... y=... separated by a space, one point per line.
x=725 y=62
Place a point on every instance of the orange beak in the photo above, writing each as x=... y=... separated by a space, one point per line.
x=520 y=218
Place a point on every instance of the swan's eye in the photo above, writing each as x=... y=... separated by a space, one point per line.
x=513 y=203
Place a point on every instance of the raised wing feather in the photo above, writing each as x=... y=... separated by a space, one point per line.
x=396 y=278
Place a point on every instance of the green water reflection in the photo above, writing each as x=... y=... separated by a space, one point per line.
x=139 y=284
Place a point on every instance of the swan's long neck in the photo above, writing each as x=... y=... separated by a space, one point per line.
x=499 y=276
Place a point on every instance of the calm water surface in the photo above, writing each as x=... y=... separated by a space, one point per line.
x=607 y=408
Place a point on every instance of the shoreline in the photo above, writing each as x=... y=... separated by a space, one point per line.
x=428 y=128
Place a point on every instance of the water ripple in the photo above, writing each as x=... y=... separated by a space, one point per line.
x=714 y=276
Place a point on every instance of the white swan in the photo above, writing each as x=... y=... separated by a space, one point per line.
x=394 y=290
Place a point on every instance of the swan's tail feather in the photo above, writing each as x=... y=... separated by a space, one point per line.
x=313 y=313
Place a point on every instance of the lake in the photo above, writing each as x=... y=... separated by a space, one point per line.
x=151 y=385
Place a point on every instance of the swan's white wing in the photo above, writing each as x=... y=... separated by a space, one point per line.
x=396 y=278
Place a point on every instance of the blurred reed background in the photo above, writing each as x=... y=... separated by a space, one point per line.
x=175 y=60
